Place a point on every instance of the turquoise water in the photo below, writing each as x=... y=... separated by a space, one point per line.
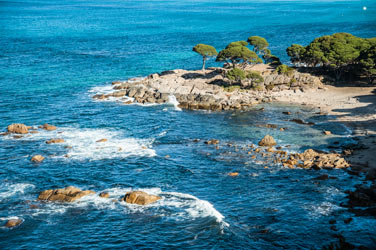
x=55 y=54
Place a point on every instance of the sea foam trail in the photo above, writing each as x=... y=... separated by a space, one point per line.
x=9 y=190
x=81 y=144
x=173 y=205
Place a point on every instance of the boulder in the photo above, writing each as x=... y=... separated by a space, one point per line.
x=140 y=198
x=55 y=140
x=49 y=127
x=68 y=194
x=267 y=141
x=12 y=223
x=18 y=128
x=37 y=158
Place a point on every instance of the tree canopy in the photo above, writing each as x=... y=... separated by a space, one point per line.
x=259 y=44
x=237 y=52
x=206 y=51
x=336 y=53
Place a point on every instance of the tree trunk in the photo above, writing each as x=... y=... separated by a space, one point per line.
x=203 y=64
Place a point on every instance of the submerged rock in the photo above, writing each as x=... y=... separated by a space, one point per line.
x=140 y=198
x=18 y=128
x=68 y=194
x=104 y=195
x=37 y=158
x=267 y=141
x=13 y=223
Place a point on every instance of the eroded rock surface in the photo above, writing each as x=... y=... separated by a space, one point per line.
x=140 y=198
x=18 y=128
x=210 y=91
x=68 y=194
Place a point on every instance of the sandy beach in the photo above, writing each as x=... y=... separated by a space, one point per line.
x=355 y=107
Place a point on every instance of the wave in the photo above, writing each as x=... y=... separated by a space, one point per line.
x=9 y=190
x=173 y=205
x=81 y=144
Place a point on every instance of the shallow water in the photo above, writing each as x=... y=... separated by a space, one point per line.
x=54 y=56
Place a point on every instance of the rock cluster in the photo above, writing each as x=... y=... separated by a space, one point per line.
x=68 y=194
x=196 y=90
x=140 y=198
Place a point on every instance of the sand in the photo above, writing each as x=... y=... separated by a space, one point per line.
x=355 y=107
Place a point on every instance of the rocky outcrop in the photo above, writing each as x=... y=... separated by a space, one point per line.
x=313 y=159
x=210 y=91
x=267 y=141
x=12 y=223
x=56 y=140
x=68 y=194
x=140 y=198
x=18 y=128
x=37 y=158
x=49 y=127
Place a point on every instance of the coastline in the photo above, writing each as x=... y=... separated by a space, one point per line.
x=352 y=106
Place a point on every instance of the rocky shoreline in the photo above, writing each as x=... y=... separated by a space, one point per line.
x=210 y=90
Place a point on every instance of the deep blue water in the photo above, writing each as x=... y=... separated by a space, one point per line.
x=53 y=54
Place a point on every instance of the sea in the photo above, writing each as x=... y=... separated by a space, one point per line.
x=56 y=54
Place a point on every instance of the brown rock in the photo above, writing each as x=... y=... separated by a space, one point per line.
x=49 y=127
x=68 y=194
x=327 y=132
x=34 y=132
x=104 y=195
x=140 y=198
x=99 y=96
x=213 y=141
x=37 y=158
x=18 y=128
x=56 y=140
x=267 y=141
x=102 y=140
x=12 y=223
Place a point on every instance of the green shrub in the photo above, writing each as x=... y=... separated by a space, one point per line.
x=284 y=69
x=270 y=86
x=258 y=87
x=235 y=74
x=254 y=76
x=292 y=81
x=231 y=88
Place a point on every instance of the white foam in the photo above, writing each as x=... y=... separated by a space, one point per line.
x=172 y=100
x=82 y=143
x=9 y=190
x=177 y=206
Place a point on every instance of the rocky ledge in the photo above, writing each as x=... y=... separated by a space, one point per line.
x=210 y=90
x=68 y=194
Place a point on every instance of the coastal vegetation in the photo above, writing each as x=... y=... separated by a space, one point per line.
x=206 y=51
x=337 y=55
